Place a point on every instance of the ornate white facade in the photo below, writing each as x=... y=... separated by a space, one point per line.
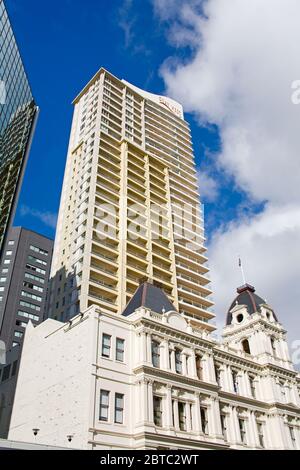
x=151 y=380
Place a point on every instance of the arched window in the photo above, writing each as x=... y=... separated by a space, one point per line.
x=246 y=346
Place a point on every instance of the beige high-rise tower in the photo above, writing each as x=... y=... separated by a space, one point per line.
x=130 y=205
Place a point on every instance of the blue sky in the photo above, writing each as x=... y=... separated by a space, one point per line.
x=126 y=38
x=245 y=126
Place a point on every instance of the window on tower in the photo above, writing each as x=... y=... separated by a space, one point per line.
x=246 y=346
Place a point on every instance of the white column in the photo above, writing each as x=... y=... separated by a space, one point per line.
x=149 y=349
x=192 y=364
x=138 y=398
x=168 y=407
x=143 y=347
x=175 y=413
x=246 y=389
x=228 y=378
x=216 y=427
x=165 y=362
x=197 y=414
x=173 y=368
x=150 y=401
x=252 y=436
x=184 y=368
x=138 y=350
x=144 y=399
x=235 y=425
x=188 y=417
x=208 y=368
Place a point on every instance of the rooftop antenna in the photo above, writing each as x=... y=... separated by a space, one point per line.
x=242 y=271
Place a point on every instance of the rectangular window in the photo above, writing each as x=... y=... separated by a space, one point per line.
x=1 y=289
x=224 y=426
x=11 y=242
x=261 y=437
x=14 y=368
x=204 y=420
x=178 y=361
x=34 y=278
x=31 y=296
x=252 y=386
x=39 y=250
x=293 y=437
x=6 y=372
x=218 y=375
x=35 y=269
x=29 y=305
x=1 y=298
x=8 y=253
x=3 y=279
x=18 y=334
x=29 y=285
x=242 y=426
x=120 y=349
x=4 y=270
x=182 y=416
x=6 y=261
x=235 y=381
x=33 y=259
x=119 y=408
x=106 y=341
x=104 y=405
x=155 y=353
x=157 y=411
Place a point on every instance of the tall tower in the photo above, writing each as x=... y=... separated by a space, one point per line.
x=130 y=205
x=18 y=113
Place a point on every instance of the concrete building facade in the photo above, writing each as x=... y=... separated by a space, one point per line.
x=151 y=379
x=130 y=205
x=24 y=276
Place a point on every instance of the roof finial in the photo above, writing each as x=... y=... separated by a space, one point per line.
x=242 y=271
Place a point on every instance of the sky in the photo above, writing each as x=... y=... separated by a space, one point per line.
x=232 y=64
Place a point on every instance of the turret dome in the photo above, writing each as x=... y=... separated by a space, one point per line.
x=246 y=297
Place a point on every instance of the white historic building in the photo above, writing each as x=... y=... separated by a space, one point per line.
x=148 y=379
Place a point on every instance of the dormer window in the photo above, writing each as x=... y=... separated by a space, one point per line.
x=240 y=318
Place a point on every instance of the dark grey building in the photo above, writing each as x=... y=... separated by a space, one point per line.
x=18 y=113
x=24 y=274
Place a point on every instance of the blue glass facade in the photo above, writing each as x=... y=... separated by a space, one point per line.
x=17 y=116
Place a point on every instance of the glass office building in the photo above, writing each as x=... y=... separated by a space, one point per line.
x=17 y=118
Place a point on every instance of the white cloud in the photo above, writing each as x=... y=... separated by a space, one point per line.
x=208 y=186
x=48 y=218
x=268 y=245
x=240 y=77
